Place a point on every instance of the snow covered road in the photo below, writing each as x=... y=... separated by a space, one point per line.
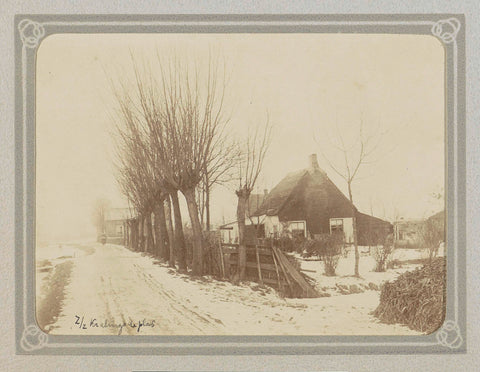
x=115 y=291
x=112 y=292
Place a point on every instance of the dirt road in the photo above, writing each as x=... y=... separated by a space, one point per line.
x=112 y=290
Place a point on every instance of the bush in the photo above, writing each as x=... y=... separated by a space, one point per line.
x=328 y=247
x=312 y=248
x=416 y=298
x=431 y=235
x=381 y=253
x=285 y=243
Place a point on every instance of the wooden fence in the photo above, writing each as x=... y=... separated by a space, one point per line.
x=267 y=265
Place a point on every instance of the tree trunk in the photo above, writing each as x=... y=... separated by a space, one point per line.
x=242 y=248
x=149 y=232
x=134 y=234
x=179 y=237
x=207 y=202
x=355 y=238
x=161 y=231
x=170 y=255
x=197 y=264
x=125 y=234
x=141 y=240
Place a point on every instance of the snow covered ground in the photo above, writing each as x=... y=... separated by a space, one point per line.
x=111 y=290
x=344 y=281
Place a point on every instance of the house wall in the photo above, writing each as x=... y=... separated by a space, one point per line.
x=272 y=226
x=114 y=228
x=115 y=231
x=406 y=233
x=371 y=228
x=347 y=228
x=316 y=199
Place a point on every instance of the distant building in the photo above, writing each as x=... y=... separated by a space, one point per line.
x=438 y=218
x=406 y=232
x=115 y=224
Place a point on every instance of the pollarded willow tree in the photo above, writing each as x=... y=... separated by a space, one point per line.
x=134 y=172
x=178 y=109
x=250 y=163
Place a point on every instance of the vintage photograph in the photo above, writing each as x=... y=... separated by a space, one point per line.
x=240 y=184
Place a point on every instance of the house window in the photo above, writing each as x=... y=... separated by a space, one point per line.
x=297 y=228
x=336 y=225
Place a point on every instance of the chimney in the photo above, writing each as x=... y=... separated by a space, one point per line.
x=313 y=162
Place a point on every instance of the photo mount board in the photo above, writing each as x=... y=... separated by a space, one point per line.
x=30 y=30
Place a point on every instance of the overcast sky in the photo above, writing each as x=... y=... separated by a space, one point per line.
x=313 y=86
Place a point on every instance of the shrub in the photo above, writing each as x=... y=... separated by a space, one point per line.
x=312 y=248
x=285 y=243
x=381 y=253
x=328 y=247
x=431 y=235
x=416 y=298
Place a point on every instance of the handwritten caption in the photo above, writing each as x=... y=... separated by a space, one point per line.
x=83 y=323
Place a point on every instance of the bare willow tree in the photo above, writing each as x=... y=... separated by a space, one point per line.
x=134 y=171
x=354 y=155
x=182 y=108
x=249 y=166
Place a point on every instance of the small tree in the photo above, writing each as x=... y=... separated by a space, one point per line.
x=431 y=235
x=332 y=251
x=328 y=247
x=381 y=253
x=353 y=155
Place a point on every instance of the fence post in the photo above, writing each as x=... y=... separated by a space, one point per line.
x=221 y=258
x=258 y=265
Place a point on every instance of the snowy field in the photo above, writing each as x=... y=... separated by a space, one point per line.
x=111 y=290
x=345 y=282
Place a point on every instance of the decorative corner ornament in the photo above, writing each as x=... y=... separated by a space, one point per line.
x=446 y=29
x=30 y=32
x=449 y=335
x=33 y=338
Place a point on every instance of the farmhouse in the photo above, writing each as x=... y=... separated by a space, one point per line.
x=306 y=203
x=115 y=223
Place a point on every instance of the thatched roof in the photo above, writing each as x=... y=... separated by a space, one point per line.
x=254 y=202
x=310 y=195
x=277 y=198
x=285 y=193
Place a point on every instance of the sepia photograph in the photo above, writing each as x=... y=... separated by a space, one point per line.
x=255 y=184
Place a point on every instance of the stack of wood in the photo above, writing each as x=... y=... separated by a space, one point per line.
x=270 y=266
